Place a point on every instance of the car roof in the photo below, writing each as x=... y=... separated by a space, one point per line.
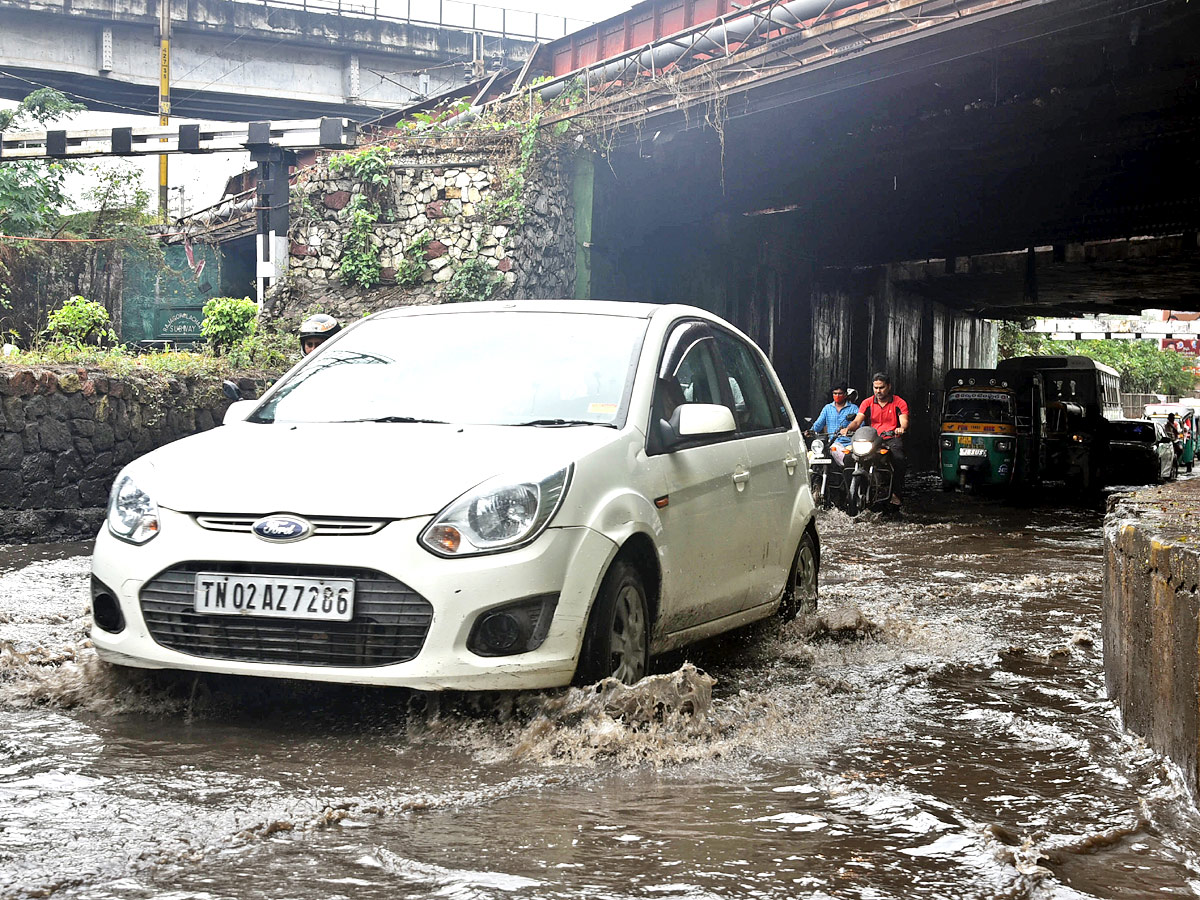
x=628 y=309
x=1169 y=407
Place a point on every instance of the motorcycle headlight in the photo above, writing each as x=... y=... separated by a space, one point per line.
x=132 y=514
x=861 y=448
x=818 y=447
x=498 y=515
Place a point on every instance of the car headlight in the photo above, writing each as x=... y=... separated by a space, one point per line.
x=818 y=447
x=500 y=514
x=132 y=514
x=861 y=448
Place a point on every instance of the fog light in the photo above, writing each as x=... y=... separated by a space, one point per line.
x=500 y=631
x=106 y=611
x=516 y=628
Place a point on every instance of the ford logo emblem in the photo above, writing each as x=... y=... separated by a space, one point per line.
x=282 y=528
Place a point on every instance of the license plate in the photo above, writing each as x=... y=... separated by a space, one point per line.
x=324 y=599
x=972 y=451
x=819 y=462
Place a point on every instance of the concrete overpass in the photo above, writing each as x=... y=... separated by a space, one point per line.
x=242 y=61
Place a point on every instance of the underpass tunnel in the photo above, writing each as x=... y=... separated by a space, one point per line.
x=881 y=213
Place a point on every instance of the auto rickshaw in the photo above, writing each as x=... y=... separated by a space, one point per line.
x=992 y=427
x=1185 y=422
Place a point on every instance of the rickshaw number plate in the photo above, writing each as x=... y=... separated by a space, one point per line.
x=965 y=440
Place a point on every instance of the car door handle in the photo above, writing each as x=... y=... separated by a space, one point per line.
x=740 y=478
x=790 y=462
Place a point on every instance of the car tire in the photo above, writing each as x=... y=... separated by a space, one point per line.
x=800 y=592
x=616 y=643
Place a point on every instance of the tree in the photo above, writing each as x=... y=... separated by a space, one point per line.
x=1144 y=368
x=31 y=192
x=1013 y=341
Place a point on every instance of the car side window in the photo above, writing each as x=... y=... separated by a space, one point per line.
x=689 y=373
x=756 y=405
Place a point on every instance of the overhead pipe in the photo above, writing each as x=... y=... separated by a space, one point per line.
x=723 y=31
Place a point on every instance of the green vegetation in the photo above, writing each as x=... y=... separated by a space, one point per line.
x=360 y=256
x=1144 y=367
x=80 y=321
x=237 y=343
x=31 y=192
x=472 y=280
x=412 y=267
x=228 y=321
x=368 y=166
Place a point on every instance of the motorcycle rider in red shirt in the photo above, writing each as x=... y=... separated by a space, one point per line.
x=886 y=412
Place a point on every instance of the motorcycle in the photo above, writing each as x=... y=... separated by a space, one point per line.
x=870 y=482
x=826 y=477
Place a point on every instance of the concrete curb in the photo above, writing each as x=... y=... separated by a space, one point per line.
x=1151 y=618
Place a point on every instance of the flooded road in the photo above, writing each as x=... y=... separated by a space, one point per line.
x=939 y=730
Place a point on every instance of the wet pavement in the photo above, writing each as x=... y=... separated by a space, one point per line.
x=939 y=730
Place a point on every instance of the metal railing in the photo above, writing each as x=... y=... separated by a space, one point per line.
x=493 y=20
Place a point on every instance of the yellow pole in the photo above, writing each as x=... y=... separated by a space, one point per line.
x=164 y=96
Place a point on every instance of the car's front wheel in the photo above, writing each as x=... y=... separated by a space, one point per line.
x=617 y=641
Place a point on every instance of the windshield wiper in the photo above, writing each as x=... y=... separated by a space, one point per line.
x=404 y=420
x=552 y=422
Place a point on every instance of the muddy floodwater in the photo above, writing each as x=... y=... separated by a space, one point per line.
x=939 y=730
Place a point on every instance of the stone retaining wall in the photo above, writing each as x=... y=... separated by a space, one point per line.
x=66 y=432
x=440 y=208
x=1150 y=619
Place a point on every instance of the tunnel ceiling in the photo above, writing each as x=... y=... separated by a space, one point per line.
x=1057 y=125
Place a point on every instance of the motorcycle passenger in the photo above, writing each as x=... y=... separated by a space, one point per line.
x=832 y=421
x=316 y=330
x=886 y=412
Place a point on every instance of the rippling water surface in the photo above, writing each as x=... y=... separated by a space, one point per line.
x=939 y=730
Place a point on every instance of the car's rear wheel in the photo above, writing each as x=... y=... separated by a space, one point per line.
x=617 y=641
x=800 y=592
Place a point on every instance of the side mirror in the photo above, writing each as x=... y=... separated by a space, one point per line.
x=692 y=420
x=699 y=419
x=230 y=390
x=238 y=411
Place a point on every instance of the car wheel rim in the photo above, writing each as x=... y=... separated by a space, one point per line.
x=806 y=575
x=629 y=636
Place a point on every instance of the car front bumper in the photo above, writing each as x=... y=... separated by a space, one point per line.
x=567 y=562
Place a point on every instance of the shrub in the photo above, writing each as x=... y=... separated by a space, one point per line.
x=80 y=321
x=265 y=349
x=228 y=320
x=472 y=280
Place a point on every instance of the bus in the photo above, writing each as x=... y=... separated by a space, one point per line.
x=1082 y=396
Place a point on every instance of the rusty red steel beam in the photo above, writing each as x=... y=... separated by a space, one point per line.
x=645 y=23
x=807 y=47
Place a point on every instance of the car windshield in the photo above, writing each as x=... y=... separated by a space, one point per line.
x=1131 y=431
x=983 y=406
x=506 y=367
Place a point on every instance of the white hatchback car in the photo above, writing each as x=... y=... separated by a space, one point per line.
x=477 y=496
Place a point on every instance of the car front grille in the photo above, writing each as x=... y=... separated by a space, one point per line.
x=321 y=526
x=389 y=626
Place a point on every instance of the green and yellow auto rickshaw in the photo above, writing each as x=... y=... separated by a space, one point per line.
x=992 y=426
x=1185 y=424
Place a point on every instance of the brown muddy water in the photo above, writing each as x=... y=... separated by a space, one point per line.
x=938 y=731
